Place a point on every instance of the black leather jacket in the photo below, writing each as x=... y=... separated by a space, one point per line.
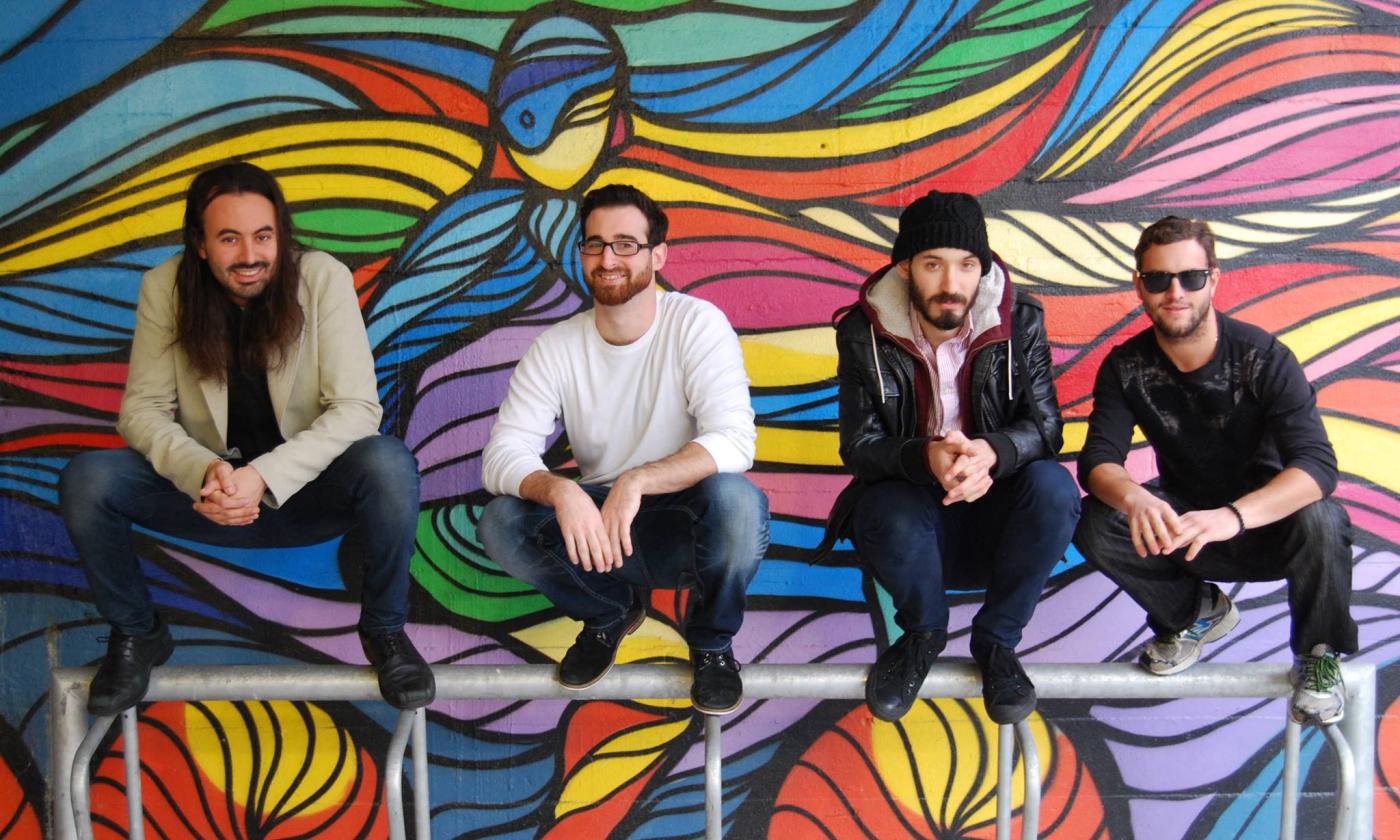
x=1007 y=387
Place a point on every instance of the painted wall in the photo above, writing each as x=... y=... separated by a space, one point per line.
x=439 y=147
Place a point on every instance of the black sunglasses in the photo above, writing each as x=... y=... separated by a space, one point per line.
x=1192 y=280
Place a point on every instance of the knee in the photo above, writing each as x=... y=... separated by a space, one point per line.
x=1099 y=525
x=731 y=501
x=388 y=465
x=1323 y=522
x=894 y=507
x=499 y=529
x=1050 y=489
x=87 y=480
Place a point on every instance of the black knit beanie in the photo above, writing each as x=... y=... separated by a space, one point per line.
x=943 y=220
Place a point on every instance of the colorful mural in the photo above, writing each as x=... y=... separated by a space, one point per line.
x=440 y=148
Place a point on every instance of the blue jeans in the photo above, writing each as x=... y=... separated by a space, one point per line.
x=1007 y=541
x=369 y=493
x=710 y=536
x=1310 y=549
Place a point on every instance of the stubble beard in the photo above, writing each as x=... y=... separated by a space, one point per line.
x=1187 y=331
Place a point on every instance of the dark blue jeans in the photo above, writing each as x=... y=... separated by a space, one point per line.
x=369 y=493
x=710 y=536
x=1310 y=549
x=1007 y=541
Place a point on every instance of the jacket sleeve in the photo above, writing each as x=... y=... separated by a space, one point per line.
x=148 y=420
x=871 y=450
x=1034 y=430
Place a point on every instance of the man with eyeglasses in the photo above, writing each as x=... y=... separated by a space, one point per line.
x=651 y=390
x=1245 y=469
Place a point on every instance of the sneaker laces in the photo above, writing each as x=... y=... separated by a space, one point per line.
x=913 y=666
x=1004 y=670
x=715 y=659
x=1320 y=673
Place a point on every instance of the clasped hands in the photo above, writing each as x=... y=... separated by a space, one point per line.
x=230 y=496
x=1157 y=528
x=962 y=465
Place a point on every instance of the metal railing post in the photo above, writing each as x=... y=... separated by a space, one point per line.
x=131 y=762
x=714 y=779
x=67 y=725
x=422 y=802
x=393 y=774
x=1030 y=766
x=1005 y=762
x=1292 y=736
x=79 y=772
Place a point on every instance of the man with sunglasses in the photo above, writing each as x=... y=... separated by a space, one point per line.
x=651 y=390
x=1245 y=468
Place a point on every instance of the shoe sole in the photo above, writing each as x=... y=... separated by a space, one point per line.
x=1305 y=719
x=1229 y=621
x=631 y=628
x=706 y=710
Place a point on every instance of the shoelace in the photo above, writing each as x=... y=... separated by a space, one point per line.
x=1321 y=673
x=715 y=659
x=916 y=661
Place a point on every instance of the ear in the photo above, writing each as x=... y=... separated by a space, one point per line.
x=1213 y=282
x=658 y=257
x=903 y=268
x=199 y=249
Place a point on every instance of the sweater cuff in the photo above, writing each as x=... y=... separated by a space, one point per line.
x=1005 y=451
x=914 y=463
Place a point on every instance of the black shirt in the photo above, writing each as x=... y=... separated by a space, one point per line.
x=252 y=424
x=1219 y=432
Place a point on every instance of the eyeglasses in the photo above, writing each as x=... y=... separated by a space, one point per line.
x=1192 y=280
x=621 y=247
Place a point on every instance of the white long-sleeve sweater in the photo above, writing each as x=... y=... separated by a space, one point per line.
x=622 y=407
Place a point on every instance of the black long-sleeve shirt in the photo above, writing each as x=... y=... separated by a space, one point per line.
x=1219 y=432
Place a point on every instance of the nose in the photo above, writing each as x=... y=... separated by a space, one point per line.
x=1175 y=291
x=609 y=259
x=246 y=252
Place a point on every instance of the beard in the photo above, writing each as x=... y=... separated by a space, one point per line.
x=944 y=319
x=611 y=293
x=1181 y=330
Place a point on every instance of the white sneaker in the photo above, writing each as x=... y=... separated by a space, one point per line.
x=1319 y=695
x=1175 y=652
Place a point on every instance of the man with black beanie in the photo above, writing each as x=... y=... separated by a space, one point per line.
x=950 y=425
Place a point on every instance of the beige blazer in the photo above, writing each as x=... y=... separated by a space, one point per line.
x=324 y=396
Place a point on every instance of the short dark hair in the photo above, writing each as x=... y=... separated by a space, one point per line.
x=626 y=195
x=1171 y=229
x=276 y=317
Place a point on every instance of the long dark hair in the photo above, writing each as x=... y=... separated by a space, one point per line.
x=273 y=320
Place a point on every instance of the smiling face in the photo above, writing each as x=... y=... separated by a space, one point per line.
x=1176 y=314
x=239 y=242
x=943 y=285
x=615 y=280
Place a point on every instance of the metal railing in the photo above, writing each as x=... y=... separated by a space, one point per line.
x=73 y=742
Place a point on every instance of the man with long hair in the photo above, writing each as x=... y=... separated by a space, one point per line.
x=251 y=417
x=651 y=389
x=1245 y=470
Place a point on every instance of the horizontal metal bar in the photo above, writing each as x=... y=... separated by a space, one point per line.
x=1110 y=681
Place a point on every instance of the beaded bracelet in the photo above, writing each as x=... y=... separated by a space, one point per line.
x=1239 y=516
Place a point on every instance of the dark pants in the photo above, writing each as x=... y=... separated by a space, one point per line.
x=370 y=491
x=1007 y=541
x=1310 y=549
x=710 y=536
